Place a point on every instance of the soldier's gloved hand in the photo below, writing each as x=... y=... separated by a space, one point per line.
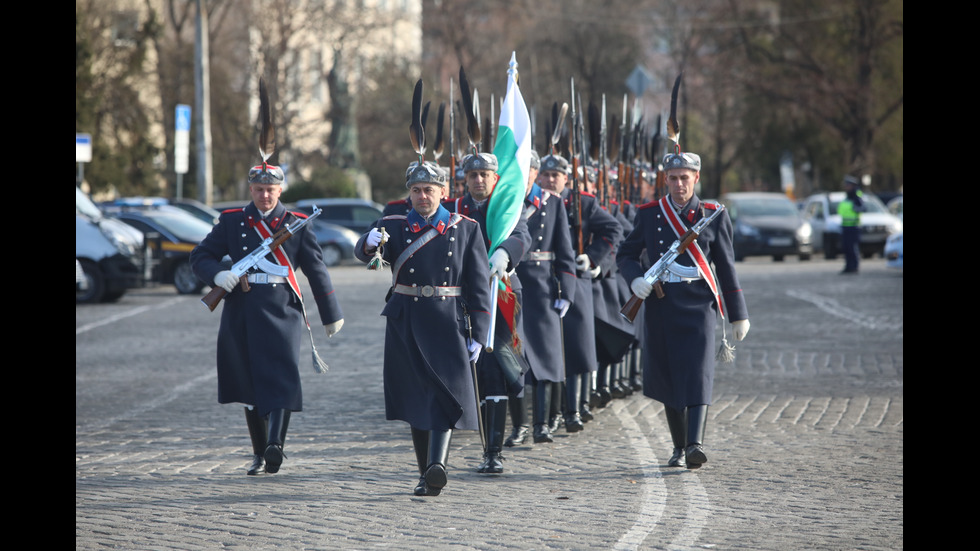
x=373 y=238
x=740 y=328
x=334 y=328
x=562 y=305
x=594 y=272
x=641 y=288
x=582 y=262
x=226 y=280
x=498 y=263
x=474 y=349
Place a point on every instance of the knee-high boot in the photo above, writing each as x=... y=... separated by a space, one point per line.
x=438 y=457
x=677 y=423
x=557 y=407
x=420 y=441
x=541 y=407
x=573 y=393
x=278 y=423
x=496 y=424
x=602 y=386
x=518 y=417
x=257 y=432
x=697 y=418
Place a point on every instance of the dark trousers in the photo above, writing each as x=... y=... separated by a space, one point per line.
x=850 y=240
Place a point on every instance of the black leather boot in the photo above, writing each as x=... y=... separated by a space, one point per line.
x=518 y=416
x=557 y=408
x=540 y=409
x=278 y=423
x=435 y=473
x=677 y=423
x=697 y=418
x=496 y=424
x=616 y=389
x=573 y=390
x=602 y=386
x=420 y=441
x=257 y=431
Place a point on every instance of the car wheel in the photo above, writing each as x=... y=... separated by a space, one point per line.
x=777 y=257
x=94 y=290
x=805 y=256
x=185 y=281
x=332 y=255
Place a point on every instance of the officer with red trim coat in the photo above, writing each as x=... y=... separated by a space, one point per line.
x=679 y=329
x=261 y=330
x=428 y=379
x=601 y=234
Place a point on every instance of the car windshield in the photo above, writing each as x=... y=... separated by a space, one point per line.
x=871 y=204
x=766 y=207
x=85 y=205
x=184 y=227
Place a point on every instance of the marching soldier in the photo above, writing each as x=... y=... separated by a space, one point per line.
x=679 y=329
x=501 y=373
x=439 y=276
x=548 y=275
x=262 y=322
x=595 y=236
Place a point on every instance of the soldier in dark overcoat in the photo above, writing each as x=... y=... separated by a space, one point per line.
x=440 y=279
x=679 y=335
x=548 y=275
x=501 y=373
x=261 y=329
x=595 y=236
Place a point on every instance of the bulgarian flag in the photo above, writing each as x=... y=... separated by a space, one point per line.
x=506 y=203
x=513 y=151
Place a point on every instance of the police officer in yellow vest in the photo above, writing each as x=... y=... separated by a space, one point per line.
x=850 y=221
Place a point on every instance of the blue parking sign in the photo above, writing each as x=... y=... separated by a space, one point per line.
x=183 y=119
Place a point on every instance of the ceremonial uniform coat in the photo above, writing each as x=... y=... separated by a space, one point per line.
x=601 y=234
x=547 y=273
x=398 y=206
x=261 y=330
x=679 y=329
x=428 y=379
x=614 y=334
x=495 y=378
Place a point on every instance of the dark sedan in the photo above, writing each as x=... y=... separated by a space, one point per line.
x=171 y=233
x=767 y=224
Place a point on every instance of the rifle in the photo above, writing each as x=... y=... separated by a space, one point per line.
x=452 y=142
x=576 y=201
x=657 y=271
x=256 y=258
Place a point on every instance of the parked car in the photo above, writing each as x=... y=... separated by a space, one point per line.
x=356 y=214
x=195 y=208
x=109 y=253
x=767 y=224
x=337 y=242
x=895 y=251
x=171 y=234
x=820 y=210
x=895 y=207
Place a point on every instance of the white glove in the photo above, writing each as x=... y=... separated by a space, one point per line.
x=373 y=238
x=334 y=328
x=740 y=328
x=226 y=280
x=641 y=288
x=594 y=272
x=498 y=263
x=562 y=306
x=474 y=349
x=582 y=262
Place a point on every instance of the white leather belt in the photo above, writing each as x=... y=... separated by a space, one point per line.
x=540 y=255
x=263 y=278
x=427 y=291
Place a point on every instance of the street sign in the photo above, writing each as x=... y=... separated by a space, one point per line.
x=182 y=138
x=639 y=80
x=83 y=148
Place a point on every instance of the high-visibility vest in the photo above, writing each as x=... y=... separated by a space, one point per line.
x=849 y=216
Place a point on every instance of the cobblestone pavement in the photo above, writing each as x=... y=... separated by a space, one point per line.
x=804 y=440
